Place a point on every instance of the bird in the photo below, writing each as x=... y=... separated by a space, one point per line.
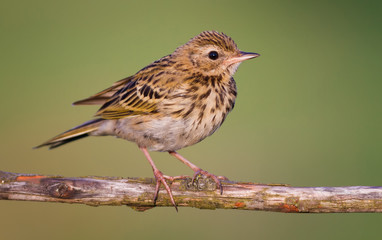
x=172 y=103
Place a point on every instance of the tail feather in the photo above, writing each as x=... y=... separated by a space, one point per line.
x=73 y=134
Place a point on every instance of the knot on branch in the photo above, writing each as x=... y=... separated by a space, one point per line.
x=61 y=190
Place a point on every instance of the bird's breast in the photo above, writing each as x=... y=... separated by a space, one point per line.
x=200 y=108
x=187 y=116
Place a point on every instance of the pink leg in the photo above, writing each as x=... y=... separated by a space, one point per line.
x=197 y=170
x=160 y=177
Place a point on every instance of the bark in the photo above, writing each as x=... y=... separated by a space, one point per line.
x=138 y=193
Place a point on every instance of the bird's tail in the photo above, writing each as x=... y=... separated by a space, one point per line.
x=73 y=134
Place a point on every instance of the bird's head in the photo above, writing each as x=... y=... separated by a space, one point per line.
x=212 y=53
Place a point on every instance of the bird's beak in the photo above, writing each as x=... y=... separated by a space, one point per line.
x=242 y=56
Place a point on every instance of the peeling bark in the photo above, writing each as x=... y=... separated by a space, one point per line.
x=138 y=193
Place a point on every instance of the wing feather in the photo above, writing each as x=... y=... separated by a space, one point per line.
x=133 y=98
x=103 y=96
x=135 y=95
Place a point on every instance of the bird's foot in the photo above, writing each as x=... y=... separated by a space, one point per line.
x=217 y=179
x=198 y=171
x=161 y=179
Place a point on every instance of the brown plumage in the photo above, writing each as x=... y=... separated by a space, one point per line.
x=170 y=104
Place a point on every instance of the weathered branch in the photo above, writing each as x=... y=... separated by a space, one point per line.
x=138 y=193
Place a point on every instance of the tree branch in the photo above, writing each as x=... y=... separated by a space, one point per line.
x=138 y=193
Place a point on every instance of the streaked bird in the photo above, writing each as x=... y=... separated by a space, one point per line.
x=172 y=103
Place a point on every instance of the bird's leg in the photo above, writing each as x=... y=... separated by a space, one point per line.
x=160 y=178
x=197 y=170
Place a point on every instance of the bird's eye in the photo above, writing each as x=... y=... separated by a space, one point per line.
x=213 y=55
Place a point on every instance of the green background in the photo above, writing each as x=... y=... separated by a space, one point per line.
x=308 y=111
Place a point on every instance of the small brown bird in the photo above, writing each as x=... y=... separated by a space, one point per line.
x=172 y=103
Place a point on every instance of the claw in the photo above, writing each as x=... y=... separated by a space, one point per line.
x=161 y=179
x=157 y=186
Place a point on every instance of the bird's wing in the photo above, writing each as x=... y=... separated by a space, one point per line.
x=136 y=97
x=103 y=96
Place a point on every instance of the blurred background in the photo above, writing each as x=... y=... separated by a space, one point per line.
x=308 y=111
